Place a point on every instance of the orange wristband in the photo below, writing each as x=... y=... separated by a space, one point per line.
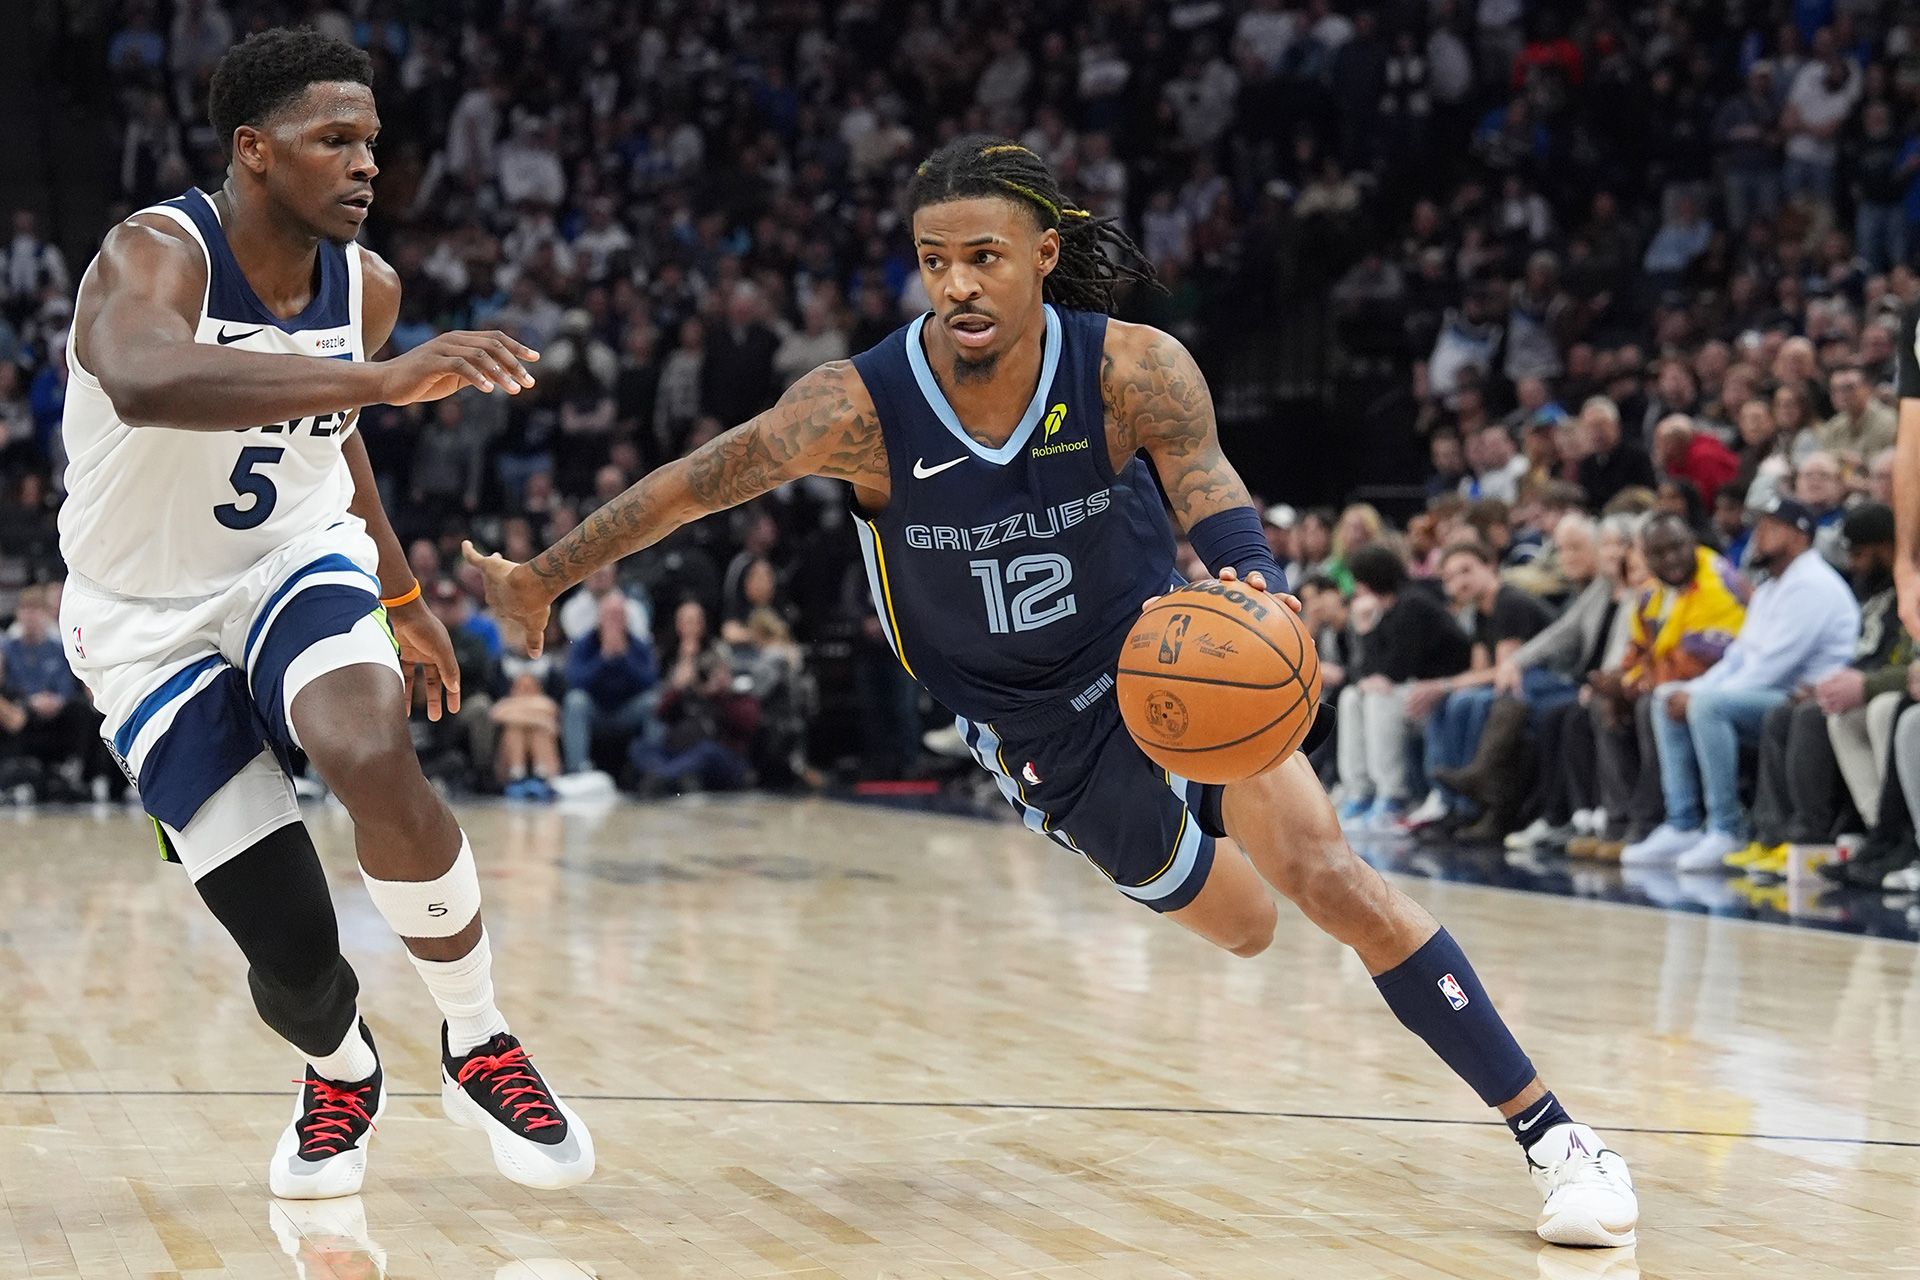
x=405 y=597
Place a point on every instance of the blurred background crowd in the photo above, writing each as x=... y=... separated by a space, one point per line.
x=1522 y=316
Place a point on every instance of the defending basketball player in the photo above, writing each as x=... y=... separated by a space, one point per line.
x=1012 y=533
x=236 y=594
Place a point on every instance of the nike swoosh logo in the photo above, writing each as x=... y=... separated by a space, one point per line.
x=1528 y=1124
x=223 y=337
x=921 y=470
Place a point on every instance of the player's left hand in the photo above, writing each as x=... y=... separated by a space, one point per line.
x=1258 y=581
x=426 y=652
x=521 y=611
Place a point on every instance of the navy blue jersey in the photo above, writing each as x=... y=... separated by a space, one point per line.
x=1007 y=578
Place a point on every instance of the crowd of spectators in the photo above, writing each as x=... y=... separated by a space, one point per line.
x=1631 y=275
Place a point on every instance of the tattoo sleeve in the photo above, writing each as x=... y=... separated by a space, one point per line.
x=824 y=425
x=1158 y=401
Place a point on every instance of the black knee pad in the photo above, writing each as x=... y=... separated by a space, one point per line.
x=313 y=1018
x=273 y=899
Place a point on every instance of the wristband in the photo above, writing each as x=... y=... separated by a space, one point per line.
x=405 y=597
x=1235 y=539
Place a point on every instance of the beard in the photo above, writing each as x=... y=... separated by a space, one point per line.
x=1873 y=581
x=980 y=370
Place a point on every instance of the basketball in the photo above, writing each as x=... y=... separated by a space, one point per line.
x=1218 y=682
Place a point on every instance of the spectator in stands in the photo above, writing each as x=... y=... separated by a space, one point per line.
x=31 y=270
x=579 y=613
x=1682 y=240
x=1612 y=463
x=1881 y=176
x=1819 y=99
x=707 y=723
x=1313 y=541
x=1880 y=477
x=1326 y=611
x=1746 y=133
x=459 y=746
x=527 y=724
x=610 y=681
x=1536 y=680
x=1404 y=637
x=1801 y=626
x=1693 y=457
x=1276 y=523
x=1820 y=486
x=1682 y=625
x=1567 y=802
x=1809 y=742
x=1360 y=525
x=1455 y=709
x=1730 y=523
x=1497 y=467
x=1447 y=463
x=1762 y=455
x=44 y=716
x=1861 y=426
x=447 y=469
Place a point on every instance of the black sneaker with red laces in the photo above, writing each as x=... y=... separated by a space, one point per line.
x=536 y=1138
x=323 y=1152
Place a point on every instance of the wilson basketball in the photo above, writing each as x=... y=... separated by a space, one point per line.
x=1218 y=683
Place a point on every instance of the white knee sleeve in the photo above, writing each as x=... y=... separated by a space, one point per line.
x=436 y=908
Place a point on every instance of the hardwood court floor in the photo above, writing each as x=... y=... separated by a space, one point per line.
x=822 y=1040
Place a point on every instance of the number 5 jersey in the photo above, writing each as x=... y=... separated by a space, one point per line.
x=160 y=513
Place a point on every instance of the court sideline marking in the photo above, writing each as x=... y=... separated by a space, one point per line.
x=964 y=1105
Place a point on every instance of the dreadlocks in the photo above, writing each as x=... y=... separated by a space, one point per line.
x=1087 y=272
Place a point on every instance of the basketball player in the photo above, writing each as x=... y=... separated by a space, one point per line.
x=1011 y=534
x=236 y=594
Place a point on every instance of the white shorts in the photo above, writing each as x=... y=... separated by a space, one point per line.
x=197 y=692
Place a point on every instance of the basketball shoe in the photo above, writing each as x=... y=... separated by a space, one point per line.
x=537 y=1140
x=1587 y=1191
x=323 y=1152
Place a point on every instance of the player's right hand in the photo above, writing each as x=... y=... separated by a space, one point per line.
x=436 y=369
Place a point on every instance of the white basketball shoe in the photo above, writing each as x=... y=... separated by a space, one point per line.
x=323 y=1152
x=537 y=1140
x=1587 y=1191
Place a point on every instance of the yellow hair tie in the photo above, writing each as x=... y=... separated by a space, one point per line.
x=1003 y=146
x=1033 y=195
x=1076 y=213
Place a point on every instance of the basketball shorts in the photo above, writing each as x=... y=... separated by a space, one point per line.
x=197 y=691
x=1089 y=788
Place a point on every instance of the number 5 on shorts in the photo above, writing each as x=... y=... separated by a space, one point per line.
x=248 y=483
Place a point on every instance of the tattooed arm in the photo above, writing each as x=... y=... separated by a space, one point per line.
x=1156 y=400
x=824 y=425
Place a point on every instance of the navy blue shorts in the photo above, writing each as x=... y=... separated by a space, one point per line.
x=1088 y=787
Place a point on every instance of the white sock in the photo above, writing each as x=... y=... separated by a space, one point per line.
x=463 y=989
x=351 y=1063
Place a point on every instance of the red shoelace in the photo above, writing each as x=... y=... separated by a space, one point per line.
x=328 y=1128
x=507 y=1077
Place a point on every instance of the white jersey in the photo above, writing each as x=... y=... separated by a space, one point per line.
x=159 y=513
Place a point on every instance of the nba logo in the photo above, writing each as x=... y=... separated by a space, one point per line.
x=79 y=645
x=1450 y=988
x=1027 y=772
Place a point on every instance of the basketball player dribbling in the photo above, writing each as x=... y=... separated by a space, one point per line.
x=1011 y=534
x=236 y=594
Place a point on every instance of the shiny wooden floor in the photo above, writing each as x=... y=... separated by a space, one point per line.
x=822 y=1040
